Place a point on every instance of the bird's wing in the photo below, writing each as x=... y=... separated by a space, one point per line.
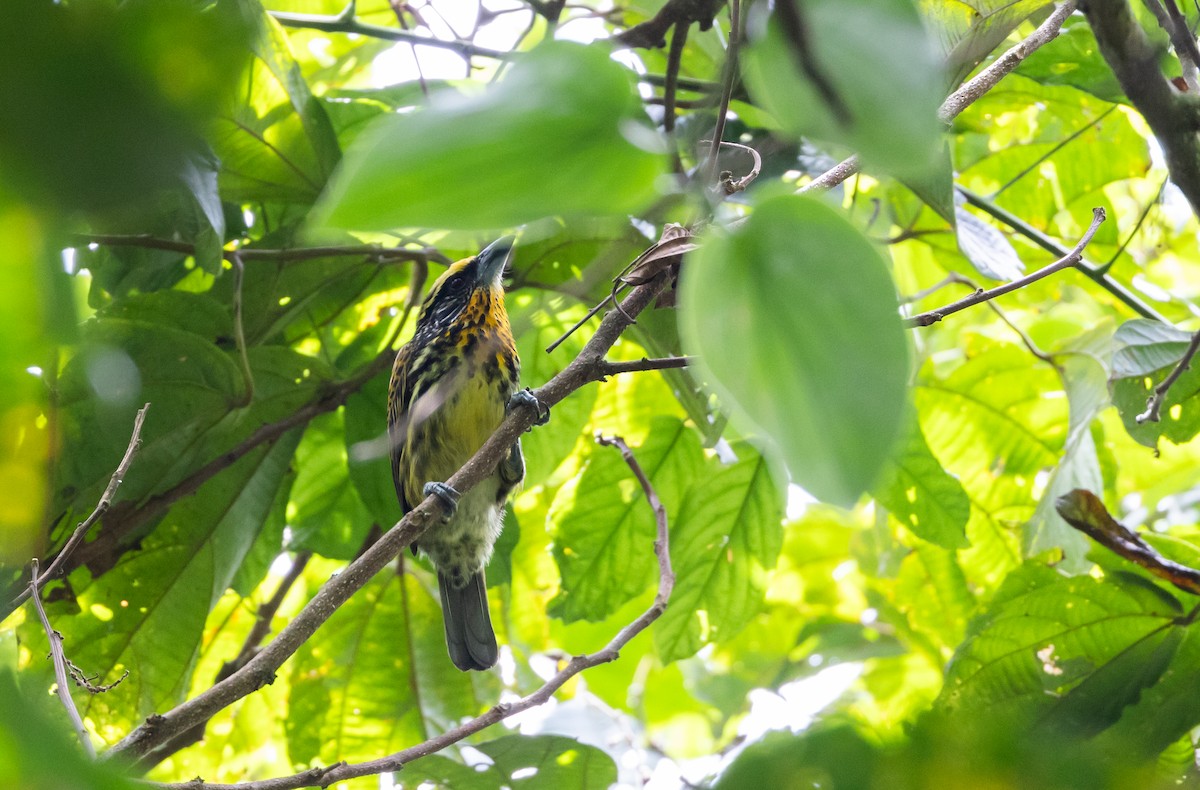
x=398 y=402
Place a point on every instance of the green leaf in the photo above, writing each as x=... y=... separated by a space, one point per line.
x=1046 y=638
x=376 y=678
x=891 y=94
x=557 y=136
x=1144 y=354
x=926 y=498
x=1084 y=380
x=1074 y=59
x=522 y=762
x=326 y=514
x=762 y=307
x=969 y=30
x=35 y=752
x=147 y=614
x=724 y=542
x=603 y=526
x=370 y=465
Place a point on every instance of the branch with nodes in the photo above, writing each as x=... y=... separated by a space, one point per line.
x=340 y=772
x=1154 y=403
x=967 y=93
x=1068 y=261
x=110 y=491
x=588 y=366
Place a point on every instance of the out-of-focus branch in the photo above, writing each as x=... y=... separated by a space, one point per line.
x=1174 y=117
x=60 y=661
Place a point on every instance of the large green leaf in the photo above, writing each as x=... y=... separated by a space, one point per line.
x=326 y=513
x=793 y=316
x=724 y=542
x=146 y=615
x=376 y=678
x=603 y=526
x=523 y=762
x=367 y=451
x=1074 y=59
x=924 y=496
x=1074 y=651
x=1145 y=352
x=890 y=94
x=562 y=118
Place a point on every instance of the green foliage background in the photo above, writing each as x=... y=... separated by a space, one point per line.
x=933 y=593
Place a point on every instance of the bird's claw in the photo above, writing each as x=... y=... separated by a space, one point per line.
x=526 y=396
x=445 y=493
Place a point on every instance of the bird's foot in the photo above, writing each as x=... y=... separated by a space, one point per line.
x=445 y=493
x=526 y=396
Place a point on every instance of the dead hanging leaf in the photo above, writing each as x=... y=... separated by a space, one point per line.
x=1084 y=511
x=674 y=242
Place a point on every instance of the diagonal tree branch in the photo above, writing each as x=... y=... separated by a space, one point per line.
x=324 y=777
x=260 y=670
x=1173 y=117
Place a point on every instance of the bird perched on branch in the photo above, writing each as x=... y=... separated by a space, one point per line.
x=451 y=386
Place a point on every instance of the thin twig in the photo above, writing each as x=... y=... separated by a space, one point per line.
x=1155 y=403
x=1067 y=261
x=374 y=252
x=347 y=22
x=60 y=661
x=731 y=72
x=1185 y=46
x=728 y=183
x=260 y=670
x=114 y=482
x=340 y=772
x=638 y=365
x=968 y=92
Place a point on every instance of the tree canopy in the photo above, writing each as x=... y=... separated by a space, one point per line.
x=866 y=328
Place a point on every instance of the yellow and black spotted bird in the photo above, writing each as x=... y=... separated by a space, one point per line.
x=451 y=387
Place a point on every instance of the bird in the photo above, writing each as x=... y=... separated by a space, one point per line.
x=452 y=385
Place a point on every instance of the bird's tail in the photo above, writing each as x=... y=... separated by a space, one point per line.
x=469 y=635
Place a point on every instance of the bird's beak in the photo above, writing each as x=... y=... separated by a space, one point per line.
x=492 y=260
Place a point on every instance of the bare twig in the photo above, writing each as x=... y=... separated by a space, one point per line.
x=1067 y=261
x=60 y=661
x=114 y=482
x=1182 y=40
x=730 y=185
x=1155 y=402
x=968 y=92
x=674 y=57
x=643 y=364
x=731 y=71
x=340 y=772
x=260 y=670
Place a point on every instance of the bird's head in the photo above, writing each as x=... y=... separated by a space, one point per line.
x=471 y=286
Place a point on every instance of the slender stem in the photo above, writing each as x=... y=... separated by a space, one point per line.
x=1067 y=261
x=239 y=332
x=60 y=661
x=731 y=72
x=1155 y=403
